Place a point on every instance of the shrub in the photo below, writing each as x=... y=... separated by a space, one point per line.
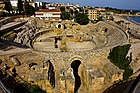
x=118 y=56
x=81 y=18
x=128 y=72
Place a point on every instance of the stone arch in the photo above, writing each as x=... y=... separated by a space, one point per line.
x=81 y=71
x=104 y=29
x=75 y=66
x=76 y=57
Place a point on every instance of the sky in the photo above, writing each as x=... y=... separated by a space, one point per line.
x=121 y=4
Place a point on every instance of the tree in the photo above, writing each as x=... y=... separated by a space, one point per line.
x=28 y=9
x=32 y=10
x=62 y=8
x=81 y=10
x=20 y=6
x=71 y=12
x=65 y=15
x=118 y=56
x=75 y=12
x=81 y=18
x=8 y=6
x=43 y=5
x=3 y=14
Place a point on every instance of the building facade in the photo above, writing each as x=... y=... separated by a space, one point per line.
x=138 y=14
x=92 y=13
x=31 y=2
x=48 y=14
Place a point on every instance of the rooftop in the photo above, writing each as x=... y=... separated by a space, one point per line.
x=48 y=10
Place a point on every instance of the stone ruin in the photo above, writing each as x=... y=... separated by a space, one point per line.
x=67 y=57
x=66 y=72
x=28 y=31
x=68 y=36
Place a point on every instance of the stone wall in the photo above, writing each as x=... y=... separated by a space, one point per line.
x=95 y=71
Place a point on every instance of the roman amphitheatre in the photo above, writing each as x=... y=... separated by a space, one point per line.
x=64 y=57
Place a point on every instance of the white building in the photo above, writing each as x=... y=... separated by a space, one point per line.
x=31 y=2
x=14 y=2
x=48 y=14
x=138 y=14
x=38 y=4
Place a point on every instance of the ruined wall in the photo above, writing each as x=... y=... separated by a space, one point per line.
x=95 y=71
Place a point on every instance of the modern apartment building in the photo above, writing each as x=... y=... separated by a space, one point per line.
x=92 y=13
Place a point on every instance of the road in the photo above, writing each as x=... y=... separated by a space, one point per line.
x=3 y=89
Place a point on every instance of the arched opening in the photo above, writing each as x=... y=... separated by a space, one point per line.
x=51 y=73
x=106 y=30
x=75 y=65
x=59 y=26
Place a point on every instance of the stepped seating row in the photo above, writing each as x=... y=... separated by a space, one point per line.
x=115 y=38
x=5 y=20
